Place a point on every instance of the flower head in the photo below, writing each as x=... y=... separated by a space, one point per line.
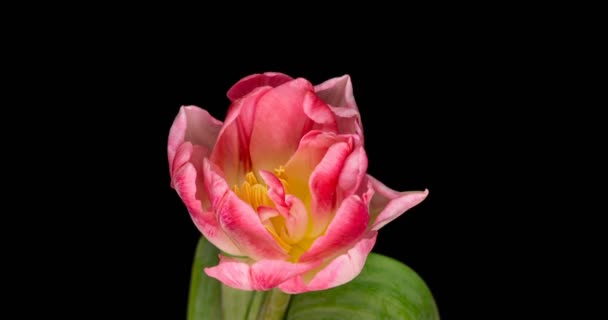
x=281 y=186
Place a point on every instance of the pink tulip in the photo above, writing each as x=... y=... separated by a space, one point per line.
x=281 y=186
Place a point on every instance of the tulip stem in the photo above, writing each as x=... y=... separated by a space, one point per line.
x=275 y=305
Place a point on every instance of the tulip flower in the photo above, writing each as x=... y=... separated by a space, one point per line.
x=281 y=186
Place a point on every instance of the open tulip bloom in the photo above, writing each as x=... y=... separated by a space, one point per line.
x=280 y=188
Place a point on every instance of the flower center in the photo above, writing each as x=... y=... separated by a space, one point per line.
x=255 y=193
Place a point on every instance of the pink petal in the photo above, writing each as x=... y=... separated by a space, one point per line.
x=239 y=220
x=348 y=225
x=297 y=221
x=324 y=185
x=338 y=92
x=353 y=172
x=193 y=155
x=324 y=170
x=247 y=84
x=188 y=182
x=280 y=123
x=276 y=192
x=266 y=213
x=311 y=150
x=243 y=111
x=182 y=157
x=320 y=113
x=338 y=271
x=195 y=125
x=261 y=275
x=232 y=149
x=387 y=204
x=366 y=191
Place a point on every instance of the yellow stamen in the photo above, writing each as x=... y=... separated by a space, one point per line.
x=278 y=239
x=250 y=177
x=280 y=172
x=246 y=192
x=258 y=194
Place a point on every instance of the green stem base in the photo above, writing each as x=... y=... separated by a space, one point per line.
x=275 y=305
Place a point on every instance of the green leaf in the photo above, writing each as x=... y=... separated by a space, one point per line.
x=235 y=303
x=385 y=289
x=205 y=293
x=256 y=304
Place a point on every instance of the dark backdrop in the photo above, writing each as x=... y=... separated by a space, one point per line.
x=434 y=112
x=422 y=130
x=472 y=106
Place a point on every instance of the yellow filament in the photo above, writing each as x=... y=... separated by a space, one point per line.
x=280 y=172
x=278 y=239
x=253 y=192
x=250 y=177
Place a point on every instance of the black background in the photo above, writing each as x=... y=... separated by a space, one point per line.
x=484 y=106
x=426 y=124
x=441 y=109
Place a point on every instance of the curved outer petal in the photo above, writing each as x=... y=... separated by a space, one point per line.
x=280 y=123
x=184 y=155
x=192 y=124
x=338 y=271
x=324 y=170
x=191 y=138
x=261 y=275
x=188 y=182
x=311 y=150
x=323 y=185
x=320 y=113
x=325 y=179
x=248 y=83
x=338 y=92
x=348 y=225
x=239 y=220
x=231 y=151
x=387 y=204
x=353 y=173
